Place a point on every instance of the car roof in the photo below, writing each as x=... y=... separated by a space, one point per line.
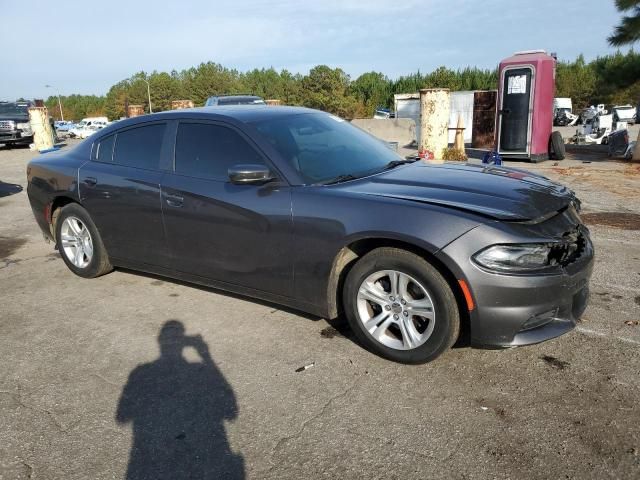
x=239 y=113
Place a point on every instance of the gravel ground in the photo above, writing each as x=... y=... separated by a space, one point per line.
x=82 y=379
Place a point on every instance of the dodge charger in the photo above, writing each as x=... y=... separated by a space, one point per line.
x=300 y=208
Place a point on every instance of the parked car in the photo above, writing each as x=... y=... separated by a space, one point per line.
x=64 y=126
x=383 y=114
x=300 y=208
x=219 y=100
x=88 y=126
x=15 y=128
x=624 y=113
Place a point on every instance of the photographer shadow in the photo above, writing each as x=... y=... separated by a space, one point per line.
x=177 y=410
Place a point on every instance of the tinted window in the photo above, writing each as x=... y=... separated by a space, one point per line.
x=139 y=147
x=207 y=151
x=321 y=146
x=104 y=149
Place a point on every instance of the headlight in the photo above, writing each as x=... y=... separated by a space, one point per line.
x=526 y=257
x=25 y=127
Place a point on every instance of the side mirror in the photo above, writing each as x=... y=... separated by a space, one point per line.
x=250 y=174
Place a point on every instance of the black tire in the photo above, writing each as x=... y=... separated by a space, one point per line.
x=446 y=326
x=556 y=146
x=99 y=263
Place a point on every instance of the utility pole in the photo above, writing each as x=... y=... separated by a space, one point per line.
x=148 y=94
x=59 y=102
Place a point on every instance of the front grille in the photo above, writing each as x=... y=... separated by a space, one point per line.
x=7 y=125
x=569 y=249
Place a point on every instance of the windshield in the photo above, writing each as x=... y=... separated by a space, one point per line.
x=323 y=147
x=13 y=109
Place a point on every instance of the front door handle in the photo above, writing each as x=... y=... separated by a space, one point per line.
x=90 y=181
x=175 y=200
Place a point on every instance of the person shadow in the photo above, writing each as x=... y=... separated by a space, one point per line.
x=7 y=189
x=177 y=410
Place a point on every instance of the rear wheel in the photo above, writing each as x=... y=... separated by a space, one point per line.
x=79 y=243
x=400 y=307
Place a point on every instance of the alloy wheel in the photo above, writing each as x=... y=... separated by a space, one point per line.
x=396 y=309
x=76 y=242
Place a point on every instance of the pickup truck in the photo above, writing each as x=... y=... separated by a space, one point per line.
x=14 y=123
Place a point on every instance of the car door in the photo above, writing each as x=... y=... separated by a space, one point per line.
x=120 y=188
x=238 y=234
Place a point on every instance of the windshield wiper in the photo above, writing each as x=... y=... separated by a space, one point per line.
x=348 y=176
x=395 y=163
x=339 y=179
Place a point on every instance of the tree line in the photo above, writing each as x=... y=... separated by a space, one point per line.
x=610 y=79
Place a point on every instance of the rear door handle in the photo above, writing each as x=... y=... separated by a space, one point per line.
x=90 y=181
x=174 y=200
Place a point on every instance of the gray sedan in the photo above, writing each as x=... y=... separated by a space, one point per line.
x=300 y=208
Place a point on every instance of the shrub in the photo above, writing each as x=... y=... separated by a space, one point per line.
x=454 y=154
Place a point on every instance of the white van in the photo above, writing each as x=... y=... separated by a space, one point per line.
x=563 y=113
x=562 y=105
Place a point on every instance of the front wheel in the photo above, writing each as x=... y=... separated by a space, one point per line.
x=79 y=243
x=400 y=307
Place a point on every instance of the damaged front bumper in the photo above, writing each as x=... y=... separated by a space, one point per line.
x=522 y=309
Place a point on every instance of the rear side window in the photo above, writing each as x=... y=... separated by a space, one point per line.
x=104 y=149
x=207 y=151
x=140 y=147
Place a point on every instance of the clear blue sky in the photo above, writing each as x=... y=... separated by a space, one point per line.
x=87 y=46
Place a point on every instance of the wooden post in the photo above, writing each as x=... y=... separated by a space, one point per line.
x=42 y=131
x=458 y=143
x=434 y=121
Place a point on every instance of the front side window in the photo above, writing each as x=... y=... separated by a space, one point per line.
x=140 y=147
x=208 y=151
x=322 y=147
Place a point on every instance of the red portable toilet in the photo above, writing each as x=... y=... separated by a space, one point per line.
x=525 y=106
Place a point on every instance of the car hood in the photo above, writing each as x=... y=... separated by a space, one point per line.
x=497 y=192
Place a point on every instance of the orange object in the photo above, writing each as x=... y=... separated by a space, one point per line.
x=467 y=294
